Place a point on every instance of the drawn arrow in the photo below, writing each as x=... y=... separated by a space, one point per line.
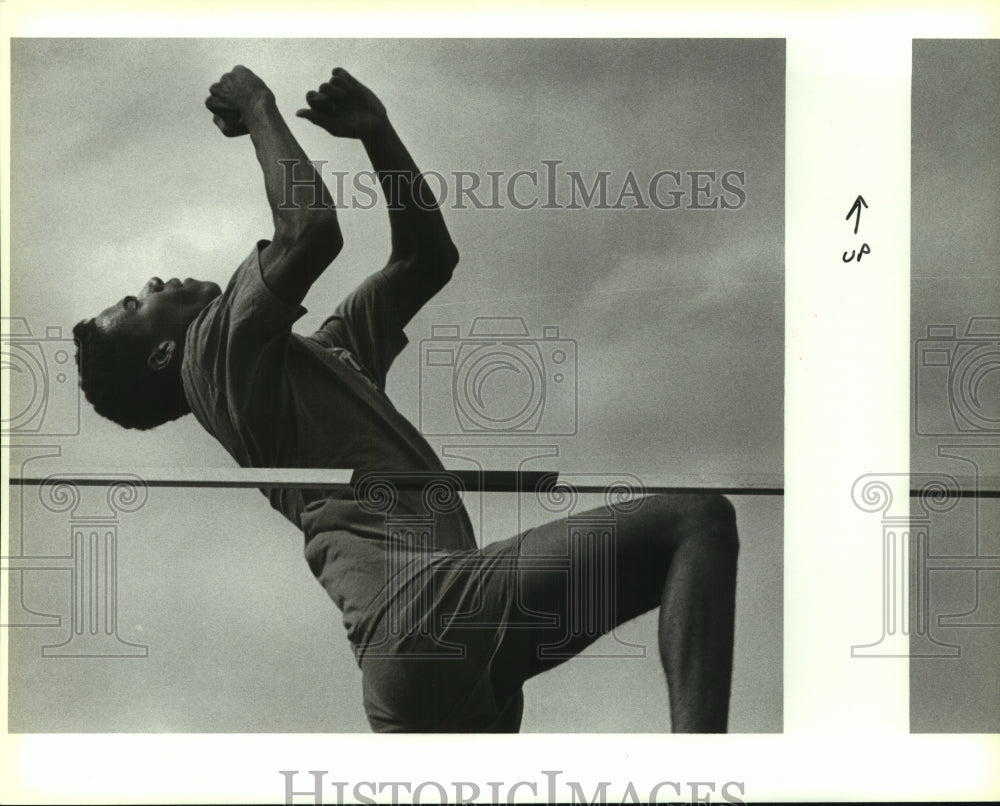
x=858 y=203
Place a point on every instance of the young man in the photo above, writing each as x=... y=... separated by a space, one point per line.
x=445 y=633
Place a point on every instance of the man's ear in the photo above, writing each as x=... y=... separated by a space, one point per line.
x=162 y=355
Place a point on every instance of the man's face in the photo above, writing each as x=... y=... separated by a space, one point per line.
x=161 y=311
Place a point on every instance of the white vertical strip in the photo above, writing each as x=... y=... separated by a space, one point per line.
x=848 y=133
x=5 y=536
x=847 y=118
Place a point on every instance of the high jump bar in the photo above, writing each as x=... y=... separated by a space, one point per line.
x=470 y=480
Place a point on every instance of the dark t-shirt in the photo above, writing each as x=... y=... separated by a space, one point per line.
x=274 y=398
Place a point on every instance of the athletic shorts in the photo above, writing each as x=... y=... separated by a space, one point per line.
x=427 y=642
x=448 y=641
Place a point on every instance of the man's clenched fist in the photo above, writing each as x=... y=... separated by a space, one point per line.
x=232 y=96
x=345 y=107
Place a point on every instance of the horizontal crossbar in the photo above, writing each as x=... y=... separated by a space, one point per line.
x=470 y=480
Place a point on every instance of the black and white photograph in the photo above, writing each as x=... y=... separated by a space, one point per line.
x=602 y=399
x=552 y=267
x=955 y=440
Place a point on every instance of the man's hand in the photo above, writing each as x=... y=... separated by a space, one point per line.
x=345 y=107
x=233 y=96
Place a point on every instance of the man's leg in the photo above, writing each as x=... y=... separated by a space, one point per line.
x=677 y=552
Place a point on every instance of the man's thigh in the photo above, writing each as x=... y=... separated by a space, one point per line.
x=580 y=577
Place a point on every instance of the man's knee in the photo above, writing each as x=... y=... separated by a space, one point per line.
x=717 y=521
x=719 y=509
x=710 y=515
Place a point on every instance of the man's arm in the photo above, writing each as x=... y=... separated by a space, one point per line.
x=423 y=255
x=306 y=232
x=418 y=228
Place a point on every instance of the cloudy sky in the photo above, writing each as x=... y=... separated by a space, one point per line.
x=955 y=276
x=677 y=317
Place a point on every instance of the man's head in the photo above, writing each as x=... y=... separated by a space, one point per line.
x=129 y=355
